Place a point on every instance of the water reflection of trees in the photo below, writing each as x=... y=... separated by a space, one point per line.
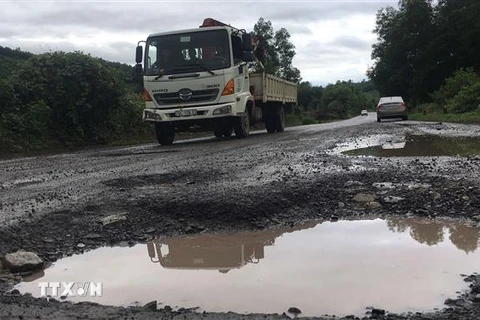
x=432 y=232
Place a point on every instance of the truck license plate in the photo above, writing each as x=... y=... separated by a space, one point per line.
x=186 y=112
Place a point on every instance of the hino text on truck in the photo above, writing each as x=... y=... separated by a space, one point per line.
x=200 y=78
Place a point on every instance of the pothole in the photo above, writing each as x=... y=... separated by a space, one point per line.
x=398 y=264
x=413 y=145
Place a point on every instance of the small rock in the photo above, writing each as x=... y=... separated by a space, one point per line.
x=151 y=230
x=352 y=183
x=384 y=185
x=48 y=240
x=113 y=218
x=392 y=199
x=451 y=302
x=152 y=305
x=476 y=298
x=341 y=205
x=373 y=205
x=81 y=245
x=295 y=311
x=15 y=292
x=93 y=236
x=123 y=244
x=333 y=218
x=167 y=308
x=378 y=312
x=466 y=198
x=22 y=261
x=364 y=197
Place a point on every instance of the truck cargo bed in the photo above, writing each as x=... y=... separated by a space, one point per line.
x=269 y=88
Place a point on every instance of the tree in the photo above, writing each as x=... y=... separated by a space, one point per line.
x=342 y=100
x=422 y=43
x=403 y=60
x=460 y=93
x=278 y=50
x=304 y=93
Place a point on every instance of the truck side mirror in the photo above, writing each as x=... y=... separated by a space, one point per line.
x=138 y=54
x=247 y=42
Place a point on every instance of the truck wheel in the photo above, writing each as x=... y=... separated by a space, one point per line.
x=218 y=133
x=242 y=126
x=165 y=133
x=227 y=132
x=222 y=131
x=280 y=120
x=270 y=124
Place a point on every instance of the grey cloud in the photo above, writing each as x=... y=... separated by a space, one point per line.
x=6 y=31
x=352 y=43
x=323 y=10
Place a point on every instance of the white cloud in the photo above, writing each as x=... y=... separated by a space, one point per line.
x=332 y=38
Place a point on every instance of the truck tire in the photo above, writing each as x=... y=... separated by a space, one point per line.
x=275 y=122
x=270 y=124
x=222 y=131
x=242 y=126
x=218 y=132
x=280 y=120
x=227 y=132
x=165 y=133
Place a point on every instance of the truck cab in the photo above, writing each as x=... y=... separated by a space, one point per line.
x=198 y=78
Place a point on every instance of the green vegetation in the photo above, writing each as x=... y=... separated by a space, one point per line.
x=275 y=51
x=468 y=117
x=427 y=52
x=11 y=59
x=341 y=100
x=58 y=99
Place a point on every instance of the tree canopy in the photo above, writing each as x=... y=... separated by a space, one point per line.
x=278 y=50
x=422 y=43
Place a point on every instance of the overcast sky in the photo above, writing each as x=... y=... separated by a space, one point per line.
x=332 y=39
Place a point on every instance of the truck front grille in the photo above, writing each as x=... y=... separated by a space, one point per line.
x=197 y=96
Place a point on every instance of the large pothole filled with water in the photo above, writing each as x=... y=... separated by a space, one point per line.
x=399 y=264
x=412 y=145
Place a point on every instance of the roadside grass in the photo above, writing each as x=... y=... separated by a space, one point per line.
x=467 y=118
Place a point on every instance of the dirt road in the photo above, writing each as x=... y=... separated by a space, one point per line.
x=50 y=204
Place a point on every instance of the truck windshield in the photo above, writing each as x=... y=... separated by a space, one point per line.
x=187 y=52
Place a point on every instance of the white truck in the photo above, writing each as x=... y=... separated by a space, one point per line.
x=199 y=78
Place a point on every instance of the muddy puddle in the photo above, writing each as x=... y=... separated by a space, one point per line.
x=414 y=145
x=338 y=268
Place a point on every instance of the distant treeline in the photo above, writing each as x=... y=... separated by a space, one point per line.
x=340 y=100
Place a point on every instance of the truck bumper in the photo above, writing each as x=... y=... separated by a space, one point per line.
x=192 y=112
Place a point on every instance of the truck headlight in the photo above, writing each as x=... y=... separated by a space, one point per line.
x=148 y=115
x=222 y=110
